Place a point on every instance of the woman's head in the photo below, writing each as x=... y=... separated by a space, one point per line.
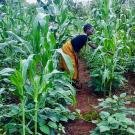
x=88 y=29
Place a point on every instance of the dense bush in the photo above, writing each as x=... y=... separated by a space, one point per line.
x=114 y=117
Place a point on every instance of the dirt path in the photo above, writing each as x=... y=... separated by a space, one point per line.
x=85 y=100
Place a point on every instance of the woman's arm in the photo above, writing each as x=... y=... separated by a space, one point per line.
x=93 y=46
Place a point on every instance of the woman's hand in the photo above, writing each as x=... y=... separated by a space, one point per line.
x=93 y=46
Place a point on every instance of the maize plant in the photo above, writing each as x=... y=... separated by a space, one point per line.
x=62 y=20
x=113 y=34
x=43 y=92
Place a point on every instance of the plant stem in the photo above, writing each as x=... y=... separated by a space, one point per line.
x=23 y=115
x=110 y=91
x=36 y=114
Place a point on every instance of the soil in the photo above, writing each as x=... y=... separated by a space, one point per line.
x=86 y=100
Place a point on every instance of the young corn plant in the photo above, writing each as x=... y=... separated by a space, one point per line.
x=18 y=79
x=109 y=76
x=43 y=97
x=40 y=80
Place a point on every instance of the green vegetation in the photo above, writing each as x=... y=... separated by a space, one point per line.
x=114 y=117
x=114 y=24
x=34 y=93
x=29 y=71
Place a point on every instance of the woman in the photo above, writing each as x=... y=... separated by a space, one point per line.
x=71 y=48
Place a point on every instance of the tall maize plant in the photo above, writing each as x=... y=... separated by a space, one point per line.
x=113 y=21
x=42 y=92
x=61 y=19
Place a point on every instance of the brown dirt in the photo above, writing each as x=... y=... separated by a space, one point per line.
x=130 y=87
x=85 y=102
x=79 y=127
x=86 y=99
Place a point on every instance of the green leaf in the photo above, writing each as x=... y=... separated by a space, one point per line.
x=105 y=76
x=104 y=115
x=45 y=129
x=46 y=77
x=19 y=50
x=25 y=65
x=57 y=2
x=52 y=124
x=16 y=37
x=115 y=97
x=17 y=80
x=113 y=122
x=6 y=71
x=131 y=131
x=68 y=62
x=52 y=41
x=49 y=66
x=28 y=130
x=63 y=118
x=45 y=30
x=103 y=128
x=40 y=18
x=67 y=84
x=12 y=127
x=36 y=36
x=3 y=45
x=123 y=95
